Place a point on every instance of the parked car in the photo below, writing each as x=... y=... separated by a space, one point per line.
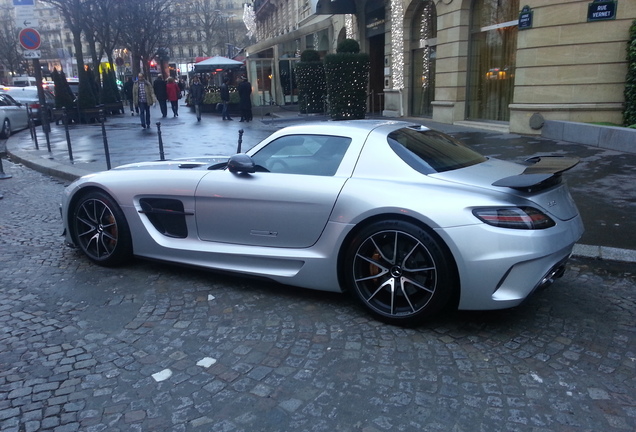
x=406 y=218
x=13 y=116
x=24 y=81
x=29 y=96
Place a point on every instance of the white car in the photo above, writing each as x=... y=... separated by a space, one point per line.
x=407 y=219
x=29 y=96
x=13 y=116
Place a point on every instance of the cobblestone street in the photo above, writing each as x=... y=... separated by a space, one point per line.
x=156 y=347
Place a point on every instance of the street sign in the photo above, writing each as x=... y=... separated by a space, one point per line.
x=29 y=39
x=27 y=23
x=32 y=54
x=24 y=13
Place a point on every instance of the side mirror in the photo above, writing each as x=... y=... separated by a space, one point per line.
x=241 y=163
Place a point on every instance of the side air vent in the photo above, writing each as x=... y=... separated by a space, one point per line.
x=166 y=215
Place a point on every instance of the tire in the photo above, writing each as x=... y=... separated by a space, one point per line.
x=100 y=229
x=6 y=129
x=399 y=272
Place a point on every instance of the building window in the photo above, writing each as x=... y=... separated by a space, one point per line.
x=493 y=48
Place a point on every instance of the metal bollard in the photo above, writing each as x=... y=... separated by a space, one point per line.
x=68 y=136
x=161 y=155
x=240 y=140
x=106 y=151
x=34 y=135
x=46 y=126
x=2 y=174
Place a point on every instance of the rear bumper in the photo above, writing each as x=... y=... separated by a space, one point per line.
x=500 y=268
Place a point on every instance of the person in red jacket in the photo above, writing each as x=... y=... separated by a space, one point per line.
x=174 y=93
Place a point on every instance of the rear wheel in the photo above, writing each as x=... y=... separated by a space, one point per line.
x=399 y=272
x=6 y=128
x=100 y=229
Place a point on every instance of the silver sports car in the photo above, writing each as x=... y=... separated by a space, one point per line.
x=406 y=218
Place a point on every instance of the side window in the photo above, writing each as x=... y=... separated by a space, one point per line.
x=3 y=101
x=303 y=154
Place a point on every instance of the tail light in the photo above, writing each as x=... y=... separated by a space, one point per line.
x=527 y=218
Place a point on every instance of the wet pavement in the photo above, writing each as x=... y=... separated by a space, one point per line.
x=602 y=184
x=156 y=347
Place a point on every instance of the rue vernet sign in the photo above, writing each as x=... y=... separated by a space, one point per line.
x=601 y=10
x=525 y=18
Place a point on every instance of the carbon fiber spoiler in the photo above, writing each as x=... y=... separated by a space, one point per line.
x=544 y=172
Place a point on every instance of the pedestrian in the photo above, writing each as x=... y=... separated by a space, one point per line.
x=174 y=94
x=160 y=93
x=128 y=94
x=225 y=98
x=143 y=97
x=245 y=99
x=182 y=86
x=196 y=95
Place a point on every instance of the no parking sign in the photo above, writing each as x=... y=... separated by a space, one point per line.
x=29 y=38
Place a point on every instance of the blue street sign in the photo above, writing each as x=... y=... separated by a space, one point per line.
x=23 y=2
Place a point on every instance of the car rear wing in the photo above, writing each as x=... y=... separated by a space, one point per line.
x=543 y=172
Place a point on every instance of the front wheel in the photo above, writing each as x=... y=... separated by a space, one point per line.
x=399 y=272
x=100 y=229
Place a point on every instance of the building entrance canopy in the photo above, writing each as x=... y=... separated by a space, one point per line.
x=216 y=62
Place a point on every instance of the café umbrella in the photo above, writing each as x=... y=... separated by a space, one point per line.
x=216 y=62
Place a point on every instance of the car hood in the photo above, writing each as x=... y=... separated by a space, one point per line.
x=204 y=162
x=539 y=180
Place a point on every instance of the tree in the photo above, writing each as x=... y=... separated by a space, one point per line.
x=143 y=31
x=10 y=55
x=107 y=32
x=74 y=13
x=207 y=15
x=64 y=96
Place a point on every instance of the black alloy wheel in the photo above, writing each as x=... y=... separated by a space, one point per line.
x=100 y=229
x=399 y=272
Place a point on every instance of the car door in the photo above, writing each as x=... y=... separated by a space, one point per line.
x=286 y=203
x=15 y=112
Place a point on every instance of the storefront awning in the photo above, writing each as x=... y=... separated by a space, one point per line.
x=333 y=7
x=216 y=62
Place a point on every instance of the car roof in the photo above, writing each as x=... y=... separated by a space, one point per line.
x=332 y=127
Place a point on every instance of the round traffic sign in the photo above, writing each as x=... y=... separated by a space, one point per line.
x=29 y=38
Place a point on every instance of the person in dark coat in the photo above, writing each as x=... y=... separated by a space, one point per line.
x=128 y=93
x=225 y=98
x=196 y=95
x=245 y=96
x=159 y=86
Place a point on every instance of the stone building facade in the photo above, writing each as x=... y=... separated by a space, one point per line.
x=459 y=60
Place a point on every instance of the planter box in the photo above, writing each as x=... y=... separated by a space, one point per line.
x=211 y=108
x=608 y=137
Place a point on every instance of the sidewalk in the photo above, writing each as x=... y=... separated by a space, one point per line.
x=602 y=184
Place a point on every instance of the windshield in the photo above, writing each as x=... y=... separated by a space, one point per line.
x=430 y=151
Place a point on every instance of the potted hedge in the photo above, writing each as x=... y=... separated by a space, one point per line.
x=64 y=97
x=110 y=96
x=312 y=86
x=347 y=74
